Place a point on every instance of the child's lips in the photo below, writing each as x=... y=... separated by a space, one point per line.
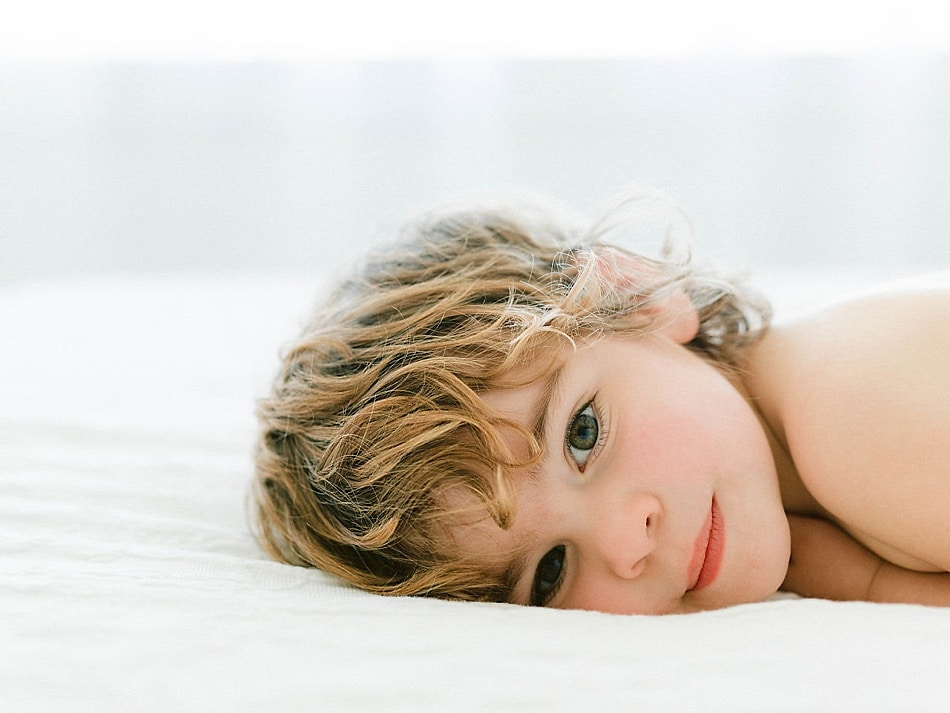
x=707 y=550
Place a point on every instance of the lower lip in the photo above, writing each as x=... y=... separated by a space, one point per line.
x=708 y=550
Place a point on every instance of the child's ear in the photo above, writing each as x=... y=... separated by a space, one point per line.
x=676 y=317
x=673 y=315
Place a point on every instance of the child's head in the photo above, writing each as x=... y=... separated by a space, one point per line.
x=379 y=439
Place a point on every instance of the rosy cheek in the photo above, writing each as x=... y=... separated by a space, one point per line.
x=593 y=595
x=669 y=448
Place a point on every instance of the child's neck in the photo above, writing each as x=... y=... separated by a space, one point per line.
x=795 y=496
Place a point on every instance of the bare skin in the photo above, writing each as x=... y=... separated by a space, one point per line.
x=857 y=401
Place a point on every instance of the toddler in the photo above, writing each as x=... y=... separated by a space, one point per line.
x=504 y=406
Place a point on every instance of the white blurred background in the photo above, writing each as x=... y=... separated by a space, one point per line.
x=226 y=137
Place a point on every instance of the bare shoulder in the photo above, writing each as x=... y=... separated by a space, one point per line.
x=860 y=395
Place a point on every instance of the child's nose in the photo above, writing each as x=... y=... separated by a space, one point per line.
x=627 y=535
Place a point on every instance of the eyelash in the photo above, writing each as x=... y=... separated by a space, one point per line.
x=600 y=427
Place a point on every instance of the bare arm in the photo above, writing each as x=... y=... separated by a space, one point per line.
x=828 y=563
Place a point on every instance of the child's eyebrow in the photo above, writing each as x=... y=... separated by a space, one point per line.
x=550 y=393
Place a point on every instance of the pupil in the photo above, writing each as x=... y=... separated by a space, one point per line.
x=583 y=435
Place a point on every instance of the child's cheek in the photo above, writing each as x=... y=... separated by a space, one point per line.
x=667 y=450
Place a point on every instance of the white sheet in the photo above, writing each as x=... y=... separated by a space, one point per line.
x=129 y=581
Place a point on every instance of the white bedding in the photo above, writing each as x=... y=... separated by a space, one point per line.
x=129 y=580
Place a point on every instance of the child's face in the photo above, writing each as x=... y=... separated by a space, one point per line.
x=657 y=492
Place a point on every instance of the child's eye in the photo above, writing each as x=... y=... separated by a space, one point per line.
x=547 y=577
x=582 y=435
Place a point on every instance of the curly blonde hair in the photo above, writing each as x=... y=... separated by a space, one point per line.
x=375 y=414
